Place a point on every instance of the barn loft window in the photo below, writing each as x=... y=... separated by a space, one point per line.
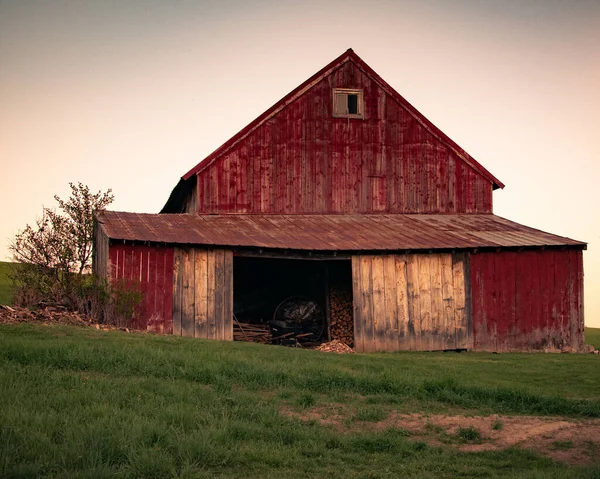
x=348 y=103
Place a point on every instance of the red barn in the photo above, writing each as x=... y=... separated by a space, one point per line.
x=344 y=190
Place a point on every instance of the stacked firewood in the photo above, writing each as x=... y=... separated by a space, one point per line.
x=341 y=326
x=335 y=346
x=253 y=333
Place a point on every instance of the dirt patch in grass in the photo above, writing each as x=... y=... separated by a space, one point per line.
x=576 y=442
x=327 y=416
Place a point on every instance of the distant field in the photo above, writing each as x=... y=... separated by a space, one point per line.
x=592 y=336
x=6 y=296
x=77 y=402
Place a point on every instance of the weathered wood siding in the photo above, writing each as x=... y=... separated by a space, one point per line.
x=411 y=302
x=149 y=271
x=528 y=300
x=303 y=160
x=191 y=201
x=100 y=259
x=203 y=293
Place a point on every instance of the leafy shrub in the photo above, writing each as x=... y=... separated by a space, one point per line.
x=53 y=259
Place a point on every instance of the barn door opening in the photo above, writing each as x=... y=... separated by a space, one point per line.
x=291 y=301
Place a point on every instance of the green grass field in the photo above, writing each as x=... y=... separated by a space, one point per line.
x=6 y=296
x=77 y=402
x=592 y=336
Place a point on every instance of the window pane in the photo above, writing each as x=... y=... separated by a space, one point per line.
x=341 y=103
x=353 y=104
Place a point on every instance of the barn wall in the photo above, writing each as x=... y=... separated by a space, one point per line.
x=411 y=302
x=149 y=270
x=203 y=293
x=527 y=301
x=305 y=161
x=191 y=200
x=100 y=259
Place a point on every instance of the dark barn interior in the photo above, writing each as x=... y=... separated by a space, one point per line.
x=289 y=301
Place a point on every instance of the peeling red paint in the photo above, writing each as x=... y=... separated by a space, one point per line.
x=148 y=269
x=528 y=300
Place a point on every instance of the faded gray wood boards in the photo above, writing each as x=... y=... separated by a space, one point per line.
x=411 y=301
x=203 y=293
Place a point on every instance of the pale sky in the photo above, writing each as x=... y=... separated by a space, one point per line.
x=130 y=95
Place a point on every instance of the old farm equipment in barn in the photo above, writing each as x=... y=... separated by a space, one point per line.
x=297 y=320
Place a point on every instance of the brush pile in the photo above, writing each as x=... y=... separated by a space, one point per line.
x=341 y=327
x=335 y=346
x=252 y=333
x=50 y=314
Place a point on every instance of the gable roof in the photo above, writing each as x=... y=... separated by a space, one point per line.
x=348 y=55
x=330 y=232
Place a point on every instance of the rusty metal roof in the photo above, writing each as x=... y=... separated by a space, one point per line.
x=329 y=232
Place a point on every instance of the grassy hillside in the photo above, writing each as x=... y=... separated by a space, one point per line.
x=5 y=284
x=84 y=403
x=592 y=336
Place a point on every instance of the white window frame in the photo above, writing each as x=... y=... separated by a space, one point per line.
x=337 y=97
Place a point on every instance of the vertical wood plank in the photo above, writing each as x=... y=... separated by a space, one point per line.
x=547 y=292
x=425 y=304
x=391 y=305
x=573 y=300
x=145 y=286
x=357 y=304
x=448 y=302
x=218 y=294
x=580 y=310
x=402 y=302
x=366 y=276
x=168 y=306
x=187 y=310
x=200 y=287
x=113 y=255
x=464 y=335
x=177 y=289
x=257 y=168
x=504 y=277
x=414 y=309
x=438 y=328
x=491 y=309
x=157 y=318
x=228 y=295
x=379 y=316
x=528 y=297
x=451 y=208
x=515 y=342
x=210 y=295
x=537 y=300
x=480 y=332
x=151 y=301
x=468 y=294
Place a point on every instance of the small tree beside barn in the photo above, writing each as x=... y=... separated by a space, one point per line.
x=342 y=212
